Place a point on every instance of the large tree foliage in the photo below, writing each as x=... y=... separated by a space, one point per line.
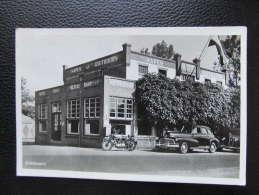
x=163 y=50
x=173 y=103
x=28 y=108
x=231 y=43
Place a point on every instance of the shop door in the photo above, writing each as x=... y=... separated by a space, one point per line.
x=56 y=126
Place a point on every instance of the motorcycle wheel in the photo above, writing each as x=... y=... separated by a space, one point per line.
x=131 y=146
x=106 y=145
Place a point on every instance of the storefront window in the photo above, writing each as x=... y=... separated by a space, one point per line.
x=91 y=127
x=120 y=127
x=42 y=117
x=73 y=113
x=121 y=108
x=91 y=112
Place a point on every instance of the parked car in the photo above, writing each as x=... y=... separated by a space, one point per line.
x=200 y=137
x=231 y=141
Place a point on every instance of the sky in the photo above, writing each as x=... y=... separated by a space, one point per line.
x=40 y=55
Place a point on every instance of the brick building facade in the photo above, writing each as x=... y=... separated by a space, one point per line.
x=97 y=97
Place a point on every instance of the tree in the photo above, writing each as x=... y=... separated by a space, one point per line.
x=173 y=103
x=28 y=108
x=145 y=51
x=232 y=47
x=163 y=50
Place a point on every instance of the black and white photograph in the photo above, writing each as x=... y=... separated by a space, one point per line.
x=163 y=104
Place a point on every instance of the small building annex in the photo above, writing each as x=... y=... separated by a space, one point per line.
x=98 y=97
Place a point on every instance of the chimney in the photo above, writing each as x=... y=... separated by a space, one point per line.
x=177 y=58
x=198 y=67
x=127 y=50
x=64 y=70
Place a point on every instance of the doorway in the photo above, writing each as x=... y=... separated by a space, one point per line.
x=56 y=122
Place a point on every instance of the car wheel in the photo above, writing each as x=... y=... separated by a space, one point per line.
x=184 y=147
x=213 y=147
x=106 y=145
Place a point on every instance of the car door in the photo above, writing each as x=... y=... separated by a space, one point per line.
x=201 y=135
x=204 y=136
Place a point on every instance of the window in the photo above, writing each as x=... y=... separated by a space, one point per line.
x=91 y=111
x=56 y=107
x=118 y=129
x=92 y=107
x=185 y=77
x=207 y=81
x=73 y=110
x=121 y=108
x=219 y=83
x=91 y=127
x=162 y=72
x=143 y=69
x=204 y=131
x=42 y=116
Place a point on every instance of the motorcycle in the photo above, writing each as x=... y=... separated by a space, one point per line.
x=111 y=141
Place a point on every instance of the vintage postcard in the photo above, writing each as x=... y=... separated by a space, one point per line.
x=135 y=104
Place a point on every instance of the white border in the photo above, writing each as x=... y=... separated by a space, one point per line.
x=132 y=177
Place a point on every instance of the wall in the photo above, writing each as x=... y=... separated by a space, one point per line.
x=47 y=97
x=153 y=63
x=212 y=75
x=119 y=88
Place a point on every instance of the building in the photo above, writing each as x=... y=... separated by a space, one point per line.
x=97 y=98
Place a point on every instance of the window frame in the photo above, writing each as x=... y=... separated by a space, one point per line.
x=207 y=81
x=185 y=77
x=142 y=67
x=89 y=120
x=96 y=107
x=126 y=108
x=59 y=107
x=41 y=119
x=219 y=83
x=69 y=115
x=162 y=69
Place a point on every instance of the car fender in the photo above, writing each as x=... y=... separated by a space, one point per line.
x=214 y=140
x=190 y=141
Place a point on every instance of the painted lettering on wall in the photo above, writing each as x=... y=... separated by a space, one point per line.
x=74 y=86
x=42 y=93
x=56 y=90
x=76 y=69
x=102 y=62
x=92 y=83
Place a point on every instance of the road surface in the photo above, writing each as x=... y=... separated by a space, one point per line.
x=199 y=163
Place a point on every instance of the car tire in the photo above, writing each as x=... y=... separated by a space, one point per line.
x=184 y=147
x=213 y=147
